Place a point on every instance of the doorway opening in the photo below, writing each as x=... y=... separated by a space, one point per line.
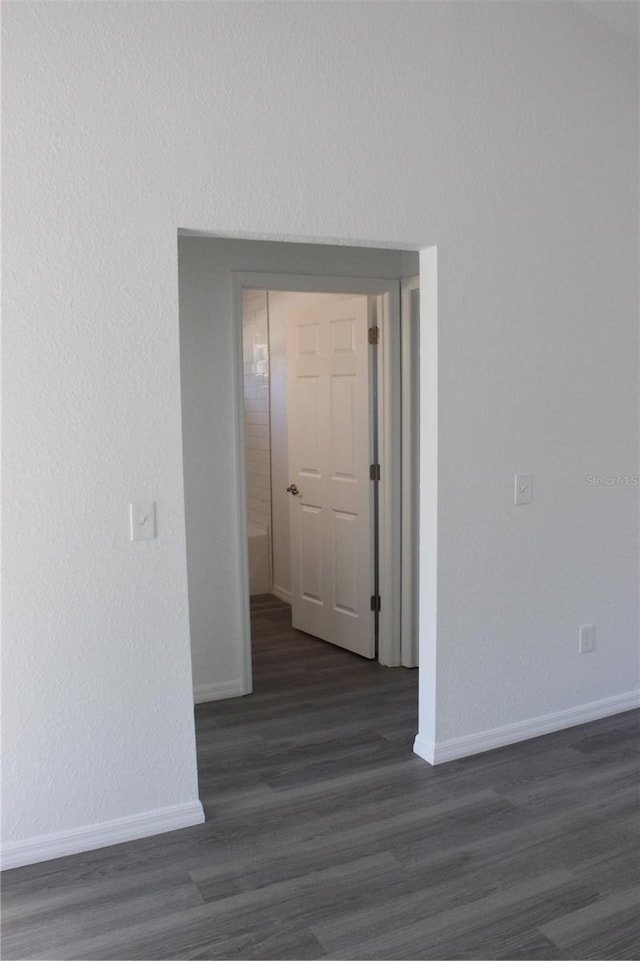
x=330 y=482
x=213 y=272
x=310 y=384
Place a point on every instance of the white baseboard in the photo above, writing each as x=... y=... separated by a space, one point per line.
x=15 y=854
x=449 y=750
x=282 y=594
x=217 y=692
x=425 y=749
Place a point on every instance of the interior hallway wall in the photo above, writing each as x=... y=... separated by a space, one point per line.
x=255 y=361
x=280 y=545
x=507 y=134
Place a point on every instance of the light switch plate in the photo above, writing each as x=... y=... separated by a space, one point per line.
x=587 y=639
x=142 y=519
x=522 y=491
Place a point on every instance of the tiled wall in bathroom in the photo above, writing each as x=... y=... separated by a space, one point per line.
x=255 y=342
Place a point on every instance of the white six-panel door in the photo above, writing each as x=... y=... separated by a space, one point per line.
x=329 y=456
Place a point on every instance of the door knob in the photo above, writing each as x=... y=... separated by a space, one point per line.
x=292 y=489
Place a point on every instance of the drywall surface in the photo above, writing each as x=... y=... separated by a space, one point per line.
x=280 y=531
x=209 y=386
x=504 y=133
x=255 y=365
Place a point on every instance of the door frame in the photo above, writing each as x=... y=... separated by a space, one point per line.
x=410 y=360
x=387 y=292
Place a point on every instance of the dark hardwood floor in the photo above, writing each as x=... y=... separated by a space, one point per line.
x=327 y=838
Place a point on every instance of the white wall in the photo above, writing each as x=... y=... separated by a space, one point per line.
x=280 y=541
x=255 y=359
x=506 y=134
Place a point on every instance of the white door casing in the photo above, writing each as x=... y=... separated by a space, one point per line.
x=329 y=431
x=410 y=355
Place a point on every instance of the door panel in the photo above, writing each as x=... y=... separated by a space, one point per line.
x=311 y=554
x=341 y=428
x=329 y=456
x=346 y=578
x=308 y=412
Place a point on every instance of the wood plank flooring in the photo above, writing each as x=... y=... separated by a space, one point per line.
x=327 y=838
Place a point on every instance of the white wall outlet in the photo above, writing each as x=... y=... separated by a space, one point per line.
x=587 y=640
x=522 y=490
x=142 y=520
